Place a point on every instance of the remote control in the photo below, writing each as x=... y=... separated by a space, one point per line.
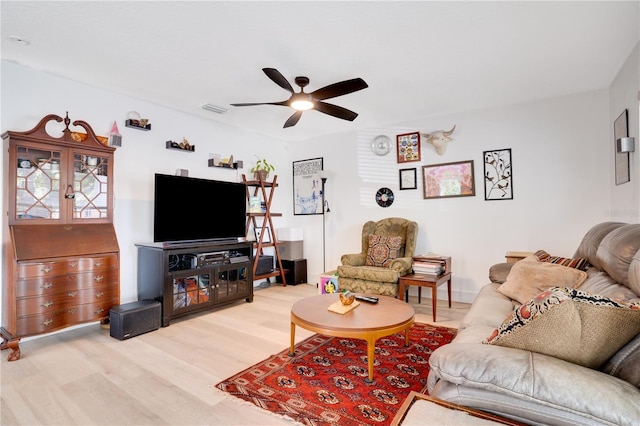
x=368 y=299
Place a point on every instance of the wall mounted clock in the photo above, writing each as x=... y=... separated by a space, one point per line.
x=384 y=197
x=381 y=145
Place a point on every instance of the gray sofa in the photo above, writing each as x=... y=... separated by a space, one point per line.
x=540 y=389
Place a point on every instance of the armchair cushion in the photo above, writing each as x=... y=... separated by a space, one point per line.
x=369 y=273
x=383 y=250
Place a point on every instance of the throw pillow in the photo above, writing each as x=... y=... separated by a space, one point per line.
x=528 y=278
x=382 y=250
x=570 y=324
x=578 y=263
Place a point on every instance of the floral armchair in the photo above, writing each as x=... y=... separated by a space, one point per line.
x=388 y=247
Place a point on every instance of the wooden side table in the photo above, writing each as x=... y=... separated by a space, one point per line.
x=425 y=280
x=514 y=256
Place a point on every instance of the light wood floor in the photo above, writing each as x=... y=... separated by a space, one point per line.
x=85 y=377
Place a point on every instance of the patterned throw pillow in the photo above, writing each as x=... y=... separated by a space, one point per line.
x=578 y=263
x=570 y=324
x=382 y=250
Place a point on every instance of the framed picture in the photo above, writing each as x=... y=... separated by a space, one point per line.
x=408 y=147
x=448 y=180
x=498 y=183
x=621 y=130
x=408 y=179
x=307 y=187
x=267 y=234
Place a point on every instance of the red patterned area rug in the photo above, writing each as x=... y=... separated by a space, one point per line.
x=324 y=382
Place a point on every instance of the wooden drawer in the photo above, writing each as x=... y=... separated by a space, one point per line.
x=59 y=301
x=50 y=285
x=67 y=266
x=45 y=323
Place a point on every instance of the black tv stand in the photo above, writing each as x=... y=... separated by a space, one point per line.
x=186 y=279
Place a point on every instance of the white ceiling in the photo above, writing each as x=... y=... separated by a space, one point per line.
x=419 y=58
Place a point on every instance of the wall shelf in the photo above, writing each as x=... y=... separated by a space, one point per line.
x=133 y=124
x=176 y=146
x=232 y=166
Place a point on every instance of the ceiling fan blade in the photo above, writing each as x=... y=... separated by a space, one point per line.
x=335 y=111
x=291 y=121
x=283 y=103
x=339 y=89
x=278 y=78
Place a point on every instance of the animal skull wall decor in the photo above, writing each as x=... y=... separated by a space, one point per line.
x=439 y=139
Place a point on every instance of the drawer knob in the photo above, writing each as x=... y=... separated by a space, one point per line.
x=99 y=278
x=46 y=286
x=46 y=269
x=47 y=322
x=72 y=293
x=99 y=311
x=100 y=294
x=47 y=304
x=71 y=311
x=98 y=264
x=73 y=264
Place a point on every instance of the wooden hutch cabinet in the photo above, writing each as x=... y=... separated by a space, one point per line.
x=61 y=255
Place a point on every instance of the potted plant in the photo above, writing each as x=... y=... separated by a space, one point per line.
x=261 y=169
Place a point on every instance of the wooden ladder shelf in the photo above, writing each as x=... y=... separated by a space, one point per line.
x=262 y=221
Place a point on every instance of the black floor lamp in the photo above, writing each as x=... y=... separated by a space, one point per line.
x=325 y=209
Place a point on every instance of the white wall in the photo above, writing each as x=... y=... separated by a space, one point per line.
x=625 y=94
x=28 y=95
x=560 y=180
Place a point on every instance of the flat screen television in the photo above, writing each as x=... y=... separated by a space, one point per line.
x=192 y=209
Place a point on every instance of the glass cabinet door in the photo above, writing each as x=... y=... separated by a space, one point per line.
x=90 y=186
x=37 y=183
x=190 y=290
x=231 y=282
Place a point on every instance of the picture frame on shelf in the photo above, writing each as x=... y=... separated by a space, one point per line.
x=307 y=186
x=498 y=179
x=408 y=147
x=408 y=178
x=448 y=180
x=267 y=234
x=621 y=130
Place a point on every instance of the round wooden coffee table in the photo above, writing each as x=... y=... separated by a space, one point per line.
x=367 y=321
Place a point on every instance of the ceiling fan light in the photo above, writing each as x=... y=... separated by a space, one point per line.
x=302 y=102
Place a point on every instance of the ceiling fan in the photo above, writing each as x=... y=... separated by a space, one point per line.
x=302 y=101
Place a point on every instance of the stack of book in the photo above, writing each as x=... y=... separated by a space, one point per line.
x=429 y=264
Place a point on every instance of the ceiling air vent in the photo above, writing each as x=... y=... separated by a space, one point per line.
x=214 y=108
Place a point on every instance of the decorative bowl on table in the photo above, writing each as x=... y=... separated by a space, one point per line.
x=347 y=298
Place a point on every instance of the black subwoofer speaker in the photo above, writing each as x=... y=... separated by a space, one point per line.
x=133 y=319
x=296 y=271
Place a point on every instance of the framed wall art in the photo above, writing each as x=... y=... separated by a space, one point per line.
x=267 y=234
x=498 y=181
x=621 y=130
x=408 y=147
x=408 y=178
x=448 y=180
x=307 y=187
